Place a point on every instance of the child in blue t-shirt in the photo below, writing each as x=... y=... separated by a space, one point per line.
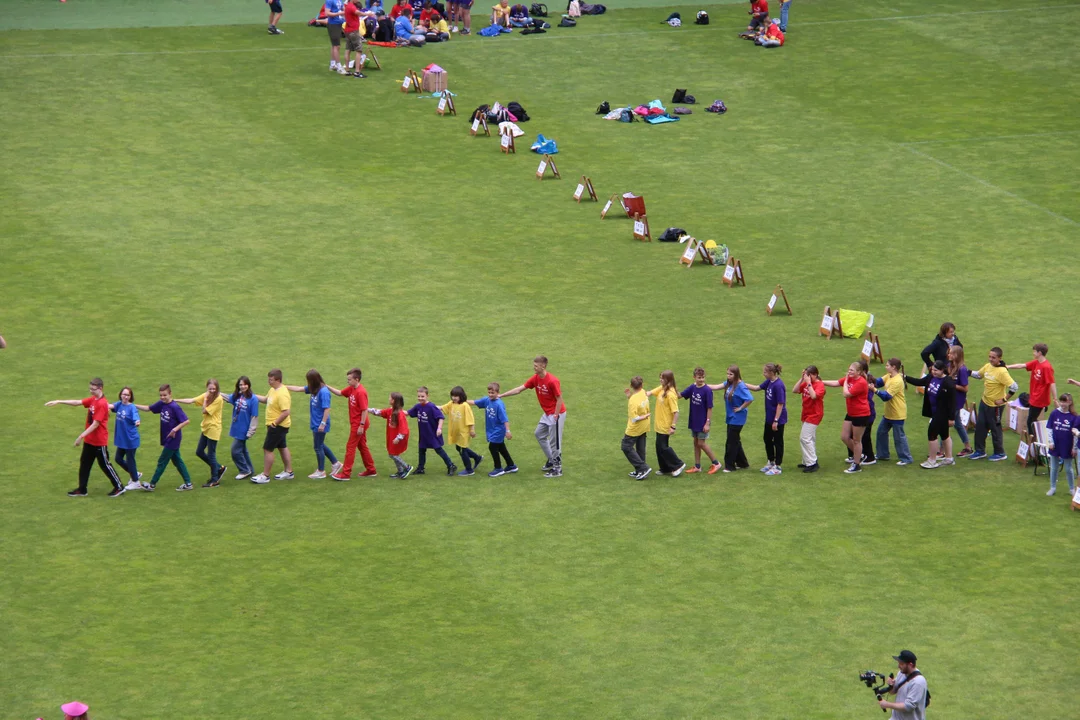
x=429 y=423
x=245 y=419
x=126 y=436
x=320 y=422
x=497 y=425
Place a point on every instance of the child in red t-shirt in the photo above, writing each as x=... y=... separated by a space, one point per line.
x=1042 y=389
x=397 y=433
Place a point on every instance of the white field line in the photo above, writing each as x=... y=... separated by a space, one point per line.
x=990 y=185
x=990 y=138
x=16 y=56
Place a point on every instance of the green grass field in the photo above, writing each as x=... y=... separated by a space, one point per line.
x=185 y=197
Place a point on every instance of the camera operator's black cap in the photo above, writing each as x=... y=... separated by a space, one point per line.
x=905 y=656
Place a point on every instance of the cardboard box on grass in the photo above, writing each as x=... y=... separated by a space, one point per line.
x=434 y=79
x=1014 y=417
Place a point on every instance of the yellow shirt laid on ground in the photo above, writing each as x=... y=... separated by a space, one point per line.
x=278 y=401
x=667 y=404
x=895 y=409
x=996 y=383
x=211 y=419
x=637 y=405
x=461 y=422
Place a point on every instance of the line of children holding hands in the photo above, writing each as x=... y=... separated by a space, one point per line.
x=944 y=391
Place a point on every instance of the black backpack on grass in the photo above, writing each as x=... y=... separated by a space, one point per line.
x=538 y=10
x=517 y=111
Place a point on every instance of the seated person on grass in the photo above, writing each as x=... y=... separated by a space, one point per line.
x=759 y=16
x=405 y=33
x=401 y=7
x=519 y=16
x=773 y=37
x=425 y=13
x=500 y=14
x=437 y=30
x=319 y=20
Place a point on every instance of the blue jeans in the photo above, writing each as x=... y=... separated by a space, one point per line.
x=321 y=451
x=125 y=458
x=206 y=451
x=959 y=426
x=438 y=451
x=899 y=439
x=241 y=457
x=784 y=6
x=1070 y=471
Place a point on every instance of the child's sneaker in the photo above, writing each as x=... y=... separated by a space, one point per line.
x=242 y=476
x=394 y=476
x=451 y=470
x=767 y=467
x=185 y=487
x=465 y=31
x=211 y=483
x=260 y=479
x=1050 y=492
x=453 y=28
x=465 y=473
x=337 y=468
x=497 y=472
x=418 y=471
x=996 y=457
x=221 y=472
x=902 y=463
x=716 y=467
x=478 y=461
x=867 y=460
x=977 y=455
x=946 y=461
x=409 y=471
x=511 y=468
x=929 y=464
x=317 y=475
x=965 y=452
x=133 y=485
x=369 y=473
x=284 y=475
x=695 y=469
x=147 y=487
x=547 y=466
x=774 y=470
x=852 y=469
x=678 y=471
x=554 y=472
x=643 y=474
x=116 y=492
x=339 y=477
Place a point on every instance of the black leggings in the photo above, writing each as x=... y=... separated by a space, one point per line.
x=469 y=457
x=499 y=453
x=774 y=443
x=867 y=442
x=734 y=457
x=666 y=458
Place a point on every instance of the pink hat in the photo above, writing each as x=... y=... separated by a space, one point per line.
x=75 y=708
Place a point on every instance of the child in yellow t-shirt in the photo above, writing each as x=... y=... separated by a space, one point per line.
x=500 y=14
x=462 y=428
x=211 y=402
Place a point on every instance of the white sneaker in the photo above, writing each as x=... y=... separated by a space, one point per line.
x=1050 y=492
x=317 y=475
x=342 y=71
x=243 y=476
x=453 y=29
x=284 y=475
x=133 y=485
x=929 y=464
x=767 y=468
x=774 y=470
x=260 y=479
x=678 y=471
x=946 y=461
x=332 y=67
x=337 y=468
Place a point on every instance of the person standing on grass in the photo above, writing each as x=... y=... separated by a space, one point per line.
x=1042 y=388
x=94 y=439
x=938 y=349
x=699 y=422
x=775 y=416
x=960 y=374
x=126 y=436
x=854 y=387
x=1062 y=426
x=549 y=430
x=813 y=410
x=210 y=403
x=939 y=404
x=891 y=391
x=278 y=421
x=359 y=422
x=245 y=420
x=998 y=389
x=737 y=399
x=335 y=22
x=320 y=421
x=461 y=10
x=462 y=429
x=354 y=43
x=667 y=418
x=397 y=434
x=785 y=7
x=497 y=427
x=275 y=17
x=172 y=423
x=637 y=428
x=429 y=423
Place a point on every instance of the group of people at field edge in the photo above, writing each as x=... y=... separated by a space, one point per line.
x=944 y=385
x=763 y=31
x=451 y=422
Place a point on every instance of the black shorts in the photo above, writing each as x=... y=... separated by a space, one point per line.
x=864 y=421
x=335 y=34
x=276 y=437
x=275 y=5
x=938 y=429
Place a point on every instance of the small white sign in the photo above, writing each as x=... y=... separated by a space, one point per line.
x=691 y=250
x=826 y=323
x=1076 y=496
x=442 y=103
x=965 y=417
x=543 y=166
x=406 y=82
x=639 y=227
x=772 y=302
x=475 y=125
x=729 y=272
x=606 y=208
x=870 y=322
x=867 y=349
x=1014 y=418
x=505 y=142
x=577 y=192
x=1022 y=450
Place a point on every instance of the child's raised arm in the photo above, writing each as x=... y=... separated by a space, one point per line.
x=73 y=403
x=515 y=391
x=721 y=386
x=293 y=388
x=334 y=390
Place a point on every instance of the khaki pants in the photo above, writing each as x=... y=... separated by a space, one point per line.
x=808 y=443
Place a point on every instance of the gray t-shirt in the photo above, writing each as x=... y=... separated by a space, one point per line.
x=913 y=695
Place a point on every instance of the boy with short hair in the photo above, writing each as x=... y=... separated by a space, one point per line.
x=700 y=396
x=497 y=427
x=637 y=428
x=1042 y=389
x=359 y=422
x=94 y=439
x=354 y=43
x=429 y=423
x=278 y=403
x=998 y=389
x=173 y=420
x=549 y=430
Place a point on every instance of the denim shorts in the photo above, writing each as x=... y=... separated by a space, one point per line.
x=700 y=435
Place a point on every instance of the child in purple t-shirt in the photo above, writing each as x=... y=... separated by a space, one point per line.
x=1061 y=426
x=700 y=396
x=775 y=416
x=173 y=421
x=429 y=422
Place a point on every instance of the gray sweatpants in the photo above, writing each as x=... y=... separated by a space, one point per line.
x=549 y=433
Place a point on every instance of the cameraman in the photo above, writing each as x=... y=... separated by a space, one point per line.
x=909 y=688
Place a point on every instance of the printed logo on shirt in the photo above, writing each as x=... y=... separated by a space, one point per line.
x=166 y=417
x=491 y=413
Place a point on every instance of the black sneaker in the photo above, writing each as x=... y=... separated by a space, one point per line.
x=117 y=492
x=452 y=470
x=77 y=493
x=410 y=471
x=395 y=476
x=359 y=75
x=221 y=473
x=554 y=472
x=643 y=474
x=800 y=466
x=211 y=483
x=417 y=471
x=547 y=466
x=811 y=468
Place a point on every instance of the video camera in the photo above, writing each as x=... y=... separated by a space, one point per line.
x=871 y=678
